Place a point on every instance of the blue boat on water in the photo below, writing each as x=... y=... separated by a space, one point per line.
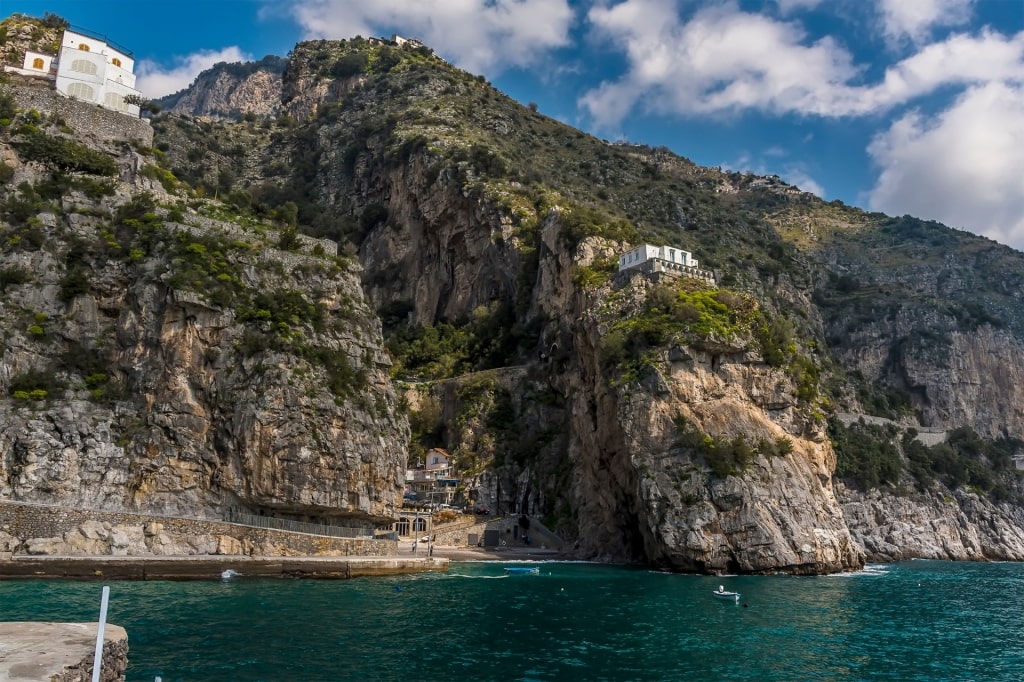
x=522 y=570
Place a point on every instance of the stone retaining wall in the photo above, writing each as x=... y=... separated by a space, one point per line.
x=45 y=530
x=459 y=536
x=82 y=117
x=509 y=535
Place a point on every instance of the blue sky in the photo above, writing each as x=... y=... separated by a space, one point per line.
x=901 y=106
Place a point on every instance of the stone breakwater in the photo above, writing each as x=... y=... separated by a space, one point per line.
x=30 y=529
x=213 y=567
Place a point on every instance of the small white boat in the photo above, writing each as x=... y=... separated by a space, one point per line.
x=522 y=570
x=722 y=593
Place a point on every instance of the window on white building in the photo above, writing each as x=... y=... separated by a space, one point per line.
x=112 y=100
x=83 y=47
x=81 y=91
x=37 y=63
x=83 y=66
x=115 y=61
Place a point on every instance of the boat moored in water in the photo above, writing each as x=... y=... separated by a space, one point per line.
x=722 y=593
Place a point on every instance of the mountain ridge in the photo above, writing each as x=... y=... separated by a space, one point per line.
x=666 y=422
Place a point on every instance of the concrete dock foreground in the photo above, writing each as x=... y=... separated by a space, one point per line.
x=60 y=652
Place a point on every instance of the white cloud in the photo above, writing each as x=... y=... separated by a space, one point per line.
x=963 y=166
x=478 y=35
x=156 y=81
x=960 y=60
x=915 y=19
x=724 y=60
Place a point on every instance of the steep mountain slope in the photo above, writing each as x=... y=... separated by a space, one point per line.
x=931 y=313
x=475 y=214
x=659 y=420
x=170 y=357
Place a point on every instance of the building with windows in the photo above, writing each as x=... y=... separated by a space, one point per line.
x=645 y=252
x=433 y=483
x=664 y=260
x=87 y=68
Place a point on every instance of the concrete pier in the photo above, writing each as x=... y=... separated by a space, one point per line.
x=202 y=567
x=60 y=652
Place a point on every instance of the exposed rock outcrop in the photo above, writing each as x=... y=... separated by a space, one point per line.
x=230 y=91
x=961 y=526
x=466 y=207
x=190 y=368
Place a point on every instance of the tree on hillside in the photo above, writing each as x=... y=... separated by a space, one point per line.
x=56 y=21
x=144 y=105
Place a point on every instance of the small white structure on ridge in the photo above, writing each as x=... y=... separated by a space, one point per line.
x=36 y=63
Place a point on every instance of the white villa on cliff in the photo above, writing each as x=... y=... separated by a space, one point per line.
x=87 y=68
x=669 y=260
x=642 y=254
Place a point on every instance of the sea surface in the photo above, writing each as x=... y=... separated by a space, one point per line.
x=919 y=620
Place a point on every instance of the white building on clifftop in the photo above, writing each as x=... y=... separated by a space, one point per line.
x=669 y=260
x=642 y=254
x=87 y=68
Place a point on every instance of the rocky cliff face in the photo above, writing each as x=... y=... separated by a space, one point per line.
x=956 y=376
x=160 y=360
x=471 y=213
x=230 y=91
x=441 y=240
x=639 y=489
x=929 y=314
x=959 y=526
x=630 y=492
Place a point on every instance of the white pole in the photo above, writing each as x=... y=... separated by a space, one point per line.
x=97 y=661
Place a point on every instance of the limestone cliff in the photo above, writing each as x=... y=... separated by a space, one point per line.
x=637 y=481
x=602 y=460
x=930 y=317
x=645 y=418
x=456 y=231
x=158 y=359
x=231 y=91
x=960 y=526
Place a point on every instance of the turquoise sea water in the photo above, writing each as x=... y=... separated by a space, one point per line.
x=911 y=621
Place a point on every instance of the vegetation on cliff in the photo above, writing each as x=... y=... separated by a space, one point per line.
x=140 y=308
x=488 y=236
x=882 y=455
x=387 y=108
